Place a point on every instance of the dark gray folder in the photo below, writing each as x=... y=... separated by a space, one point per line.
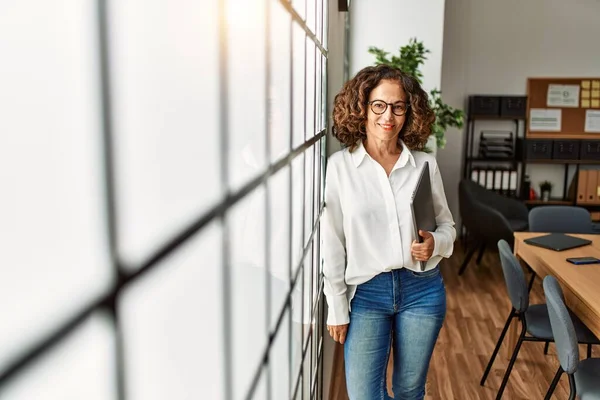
x=421 y=205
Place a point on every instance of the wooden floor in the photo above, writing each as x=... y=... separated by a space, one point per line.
x=478 y=306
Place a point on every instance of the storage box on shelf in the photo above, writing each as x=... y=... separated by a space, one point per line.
x=584 y=188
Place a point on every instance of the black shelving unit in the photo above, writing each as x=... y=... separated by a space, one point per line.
x=495 y=108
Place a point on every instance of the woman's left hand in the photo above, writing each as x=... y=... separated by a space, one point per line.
x=423 y=251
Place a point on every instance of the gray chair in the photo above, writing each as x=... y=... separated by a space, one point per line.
x=560 y=219
x=535 y=323
x=584 y=376
x=488 y=217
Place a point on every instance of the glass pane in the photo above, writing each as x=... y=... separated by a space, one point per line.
x=319 y=23
x=310 y=88
x=318 y=91
x=247 y=90
x=298 y=209
x=317 y=184
x=323 y=149
x=310 y=15
x=172 y=325
x=298 y=393
x=166 y=118
x=307 y=373
x=248 y=288
x=260 y=393
x=307 y=298
x=319 y=366
x=280 y=81
x=81 y=366
x=315 y=270
x=326 y=22
x=309 y=189
x=297 y=328
x=299 y=91
x=280 y=360
x=313 y=384
x=279 y=189
x=323 y=109
x=55 y=257
x=316 y=338
x=315 y=278
x=300 y=7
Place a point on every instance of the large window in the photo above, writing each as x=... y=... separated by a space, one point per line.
x=162 y=174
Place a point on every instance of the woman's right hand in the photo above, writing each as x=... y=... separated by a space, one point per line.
x=338 y=332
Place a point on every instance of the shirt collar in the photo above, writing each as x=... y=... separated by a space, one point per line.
x=359 y=154
x=405 y=157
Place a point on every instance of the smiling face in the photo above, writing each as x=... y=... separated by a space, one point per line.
x=386 y=126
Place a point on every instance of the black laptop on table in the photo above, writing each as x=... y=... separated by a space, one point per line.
x=557 y=241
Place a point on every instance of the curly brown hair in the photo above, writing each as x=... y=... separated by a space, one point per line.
x=350 y=108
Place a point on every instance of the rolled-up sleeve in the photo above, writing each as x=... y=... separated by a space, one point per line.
x=334 y=251
x=445 y=233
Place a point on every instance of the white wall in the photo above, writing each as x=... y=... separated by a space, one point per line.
x=389 y=24
x=492 y=47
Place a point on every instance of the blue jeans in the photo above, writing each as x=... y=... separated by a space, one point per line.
x=403 y=308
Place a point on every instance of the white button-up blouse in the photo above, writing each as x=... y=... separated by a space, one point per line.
x=367 y=227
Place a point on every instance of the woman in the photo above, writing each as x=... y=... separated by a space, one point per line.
x=378 y=296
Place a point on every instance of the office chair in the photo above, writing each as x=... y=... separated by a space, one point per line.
x=560 y=219
x=584 y=376
x=488 y=217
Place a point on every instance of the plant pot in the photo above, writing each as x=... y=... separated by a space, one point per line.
x=545 y=195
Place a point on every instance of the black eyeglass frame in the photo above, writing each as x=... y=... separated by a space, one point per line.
x=370 y=103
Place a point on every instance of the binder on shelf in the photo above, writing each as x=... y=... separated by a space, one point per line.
x=582 y=187
x=475 y=175
x=498 y=180
x=513 y=183
x=505 y=182
x=489 y=182
x=592 y=183
x=482 y=175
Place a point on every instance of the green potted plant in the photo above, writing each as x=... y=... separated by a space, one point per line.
x=545 y=190
x=411 y=57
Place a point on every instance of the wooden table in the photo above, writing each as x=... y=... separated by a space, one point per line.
x=580 y=283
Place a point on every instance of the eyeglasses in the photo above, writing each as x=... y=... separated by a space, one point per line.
x=379 y=107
